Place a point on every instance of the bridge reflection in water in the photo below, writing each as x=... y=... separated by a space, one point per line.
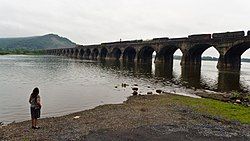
x=189 y=77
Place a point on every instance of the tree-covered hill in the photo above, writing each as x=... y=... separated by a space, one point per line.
x=37 y=42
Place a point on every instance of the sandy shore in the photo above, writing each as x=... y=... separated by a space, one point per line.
x=147 y=118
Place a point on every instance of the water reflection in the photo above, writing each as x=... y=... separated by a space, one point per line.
x=190 y=77
x=164 y=70
x=228 y=81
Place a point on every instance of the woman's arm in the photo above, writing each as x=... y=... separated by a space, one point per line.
x=39 y=101
x=30 y=100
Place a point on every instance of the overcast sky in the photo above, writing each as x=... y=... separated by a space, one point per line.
x=96 y=21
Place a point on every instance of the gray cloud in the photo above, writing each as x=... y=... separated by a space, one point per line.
x=95 y=21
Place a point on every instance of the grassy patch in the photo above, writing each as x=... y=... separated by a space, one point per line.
x=224 y=110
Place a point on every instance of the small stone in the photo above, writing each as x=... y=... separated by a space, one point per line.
x=135 y=84
x=149 y=93
x=148 y=86
x=159 y=91
x=124 y=85
x=135 y=88
x=144 y=109
x=135 y=93
x=238 y=101
x=76 y=117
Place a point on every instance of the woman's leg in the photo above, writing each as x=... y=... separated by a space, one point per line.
x=33 y=122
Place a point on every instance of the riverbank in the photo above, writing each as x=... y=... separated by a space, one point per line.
x=151 y=117
x=232 y=97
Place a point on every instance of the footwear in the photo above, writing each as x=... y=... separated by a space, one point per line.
x=35 y=127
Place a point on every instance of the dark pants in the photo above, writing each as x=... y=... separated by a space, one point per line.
x=35 y=112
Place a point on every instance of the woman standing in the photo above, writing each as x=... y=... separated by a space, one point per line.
x=35 y=107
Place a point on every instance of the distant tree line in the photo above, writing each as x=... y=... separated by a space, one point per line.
x=21 y=51
x=209 y=58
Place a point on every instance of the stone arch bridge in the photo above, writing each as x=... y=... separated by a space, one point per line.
x=230 y=46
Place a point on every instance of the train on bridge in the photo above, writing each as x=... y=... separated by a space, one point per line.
x=230 y=46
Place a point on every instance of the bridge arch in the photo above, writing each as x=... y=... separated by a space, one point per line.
x=129 y=54
x=232 y=58
x=244 y=56
x=193 y=55
x=71 y=52
x=238 y=49
x=210 y=58
x=95 y=53
x=68 y=52
x=145 y=54
x=76 y=52
x=103 y=53
x=87 y=53
x=116 y=54
x=166 y=54
x=81 y=53
x=64 y=52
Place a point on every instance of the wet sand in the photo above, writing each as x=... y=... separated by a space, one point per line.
x=139 y=118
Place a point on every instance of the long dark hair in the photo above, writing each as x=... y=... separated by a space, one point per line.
x=34 y=94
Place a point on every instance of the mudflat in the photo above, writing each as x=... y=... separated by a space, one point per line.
x=140 y=118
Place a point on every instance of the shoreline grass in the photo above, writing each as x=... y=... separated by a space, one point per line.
x=216 y=108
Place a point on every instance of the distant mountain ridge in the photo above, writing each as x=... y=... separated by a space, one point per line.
x=36 y=42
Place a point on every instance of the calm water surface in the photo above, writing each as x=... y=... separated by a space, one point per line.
x=69 y=85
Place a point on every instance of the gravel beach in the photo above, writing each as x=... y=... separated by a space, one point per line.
x=140 y=118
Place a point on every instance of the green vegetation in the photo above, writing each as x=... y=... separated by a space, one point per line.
x=235 y=95
x=210 y=108
x=21 y=51
x=22 y=45
x=215 y=108
x=208 y=58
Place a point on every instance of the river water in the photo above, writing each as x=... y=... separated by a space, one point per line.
x=70 y=85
